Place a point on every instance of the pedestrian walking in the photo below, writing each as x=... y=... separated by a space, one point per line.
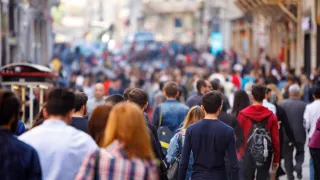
x=18 y=160
x=241 y=101
x=98 y=98
x=98 y=121
x=79 y=121
x=176 y=144
x=294 y=108
x=61 y=147
x=126 y=152
x=314 y=146
x=311 y=115
x=209 y=140
x=266 y=102
x=203 y=87
x=258 y=122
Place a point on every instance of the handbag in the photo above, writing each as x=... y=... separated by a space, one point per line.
x=174 y=168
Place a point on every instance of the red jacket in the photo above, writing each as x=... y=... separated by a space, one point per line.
x=259 y=113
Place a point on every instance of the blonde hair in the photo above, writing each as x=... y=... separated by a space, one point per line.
x=126 y=124
x=194 y=115
x=276 y=91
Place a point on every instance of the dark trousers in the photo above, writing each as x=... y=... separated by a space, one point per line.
x=315 y=154
x=288 y=158
x=249 y=168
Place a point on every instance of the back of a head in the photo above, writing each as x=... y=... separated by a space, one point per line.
x=114 y=99
x=171 y=89
x=258 y=92
x=60 y=102
x=316 y=93
x=98 y=121
x=194 y=115
x=212 y=101
x=139 y=97
x=126 y=93
x=201 y=83
x=9 y=107
x=294 y=90
x=80 y=101
x=125 y=124
x=241 y=101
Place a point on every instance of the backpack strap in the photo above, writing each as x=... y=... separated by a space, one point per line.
x=160 y=115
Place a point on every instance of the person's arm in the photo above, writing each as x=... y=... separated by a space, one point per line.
x=173 y=149
x=275 y=139
x=287 y=127
x=234 y=165
x=239 y=132
x=185 y=156
x=156 y=117
x=35 y=168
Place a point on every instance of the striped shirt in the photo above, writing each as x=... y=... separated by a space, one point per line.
x=114 y=165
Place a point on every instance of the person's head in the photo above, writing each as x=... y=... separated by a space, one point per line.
x=40 y=117
x=98 y=121
x=60 y=105
x=99 y=91
x=203 y=86
x=171 y=90
x=139 y=97
x=9 y=110
x=268 y=94
x=258 y=93
x=80 y=104
x=316 y=93
x=212 y=102
x=294 y=91
x=127 y=125
x=114 y=99
x=126 y=93
x=194 y=115
x=241 y=101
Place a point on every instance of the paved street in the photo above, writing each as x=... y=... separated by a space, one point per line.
x=306 y=174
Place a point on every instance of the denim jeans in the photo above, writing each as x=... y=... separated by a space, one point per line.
x=311 y=169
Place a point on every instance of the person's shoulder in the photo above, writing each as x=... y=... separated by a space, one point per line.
x=31 y=134
x=23 y=147
x=80 y=137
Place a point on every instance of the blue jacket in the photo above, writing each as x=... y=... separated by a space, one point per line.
x=173 y=153
x=173 y=114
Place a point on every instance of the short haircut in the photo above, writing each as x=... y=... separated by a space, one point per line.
x=114 y=99
x=201 y=83
x=212 y=101
x=126 y=93
x=215 y=84
x=60 y=102
x=79 y=101
x=171 y=89
x=294 y=88
x=9 y=106
x=258 y=92
x=139 y=97
x=316 y=93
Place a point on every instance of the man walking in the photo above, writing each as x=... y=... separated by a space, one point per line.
x=98 y=98
x=61 y=148
x=257 y=122
x=79 y=121
x=203 y=87
x=294 y=108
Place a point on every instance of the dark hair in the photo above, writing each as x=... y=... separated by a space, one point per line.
x=201 y=83
x=161 y=85
x=316 y=93
x=258 y=92
x=38 y=120
x=98 y=121
x=126 y=93
x=114 y=99
x=79 y=101
x=171 y=89
x=139 y=97
x=60 y=102
x=212 y=101
x=9 y=106
x=241 y=101
x=215 y=84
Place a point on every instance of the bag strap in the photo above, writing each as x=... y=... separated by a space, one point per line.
x=160 y=115
x=179 y=145
x=96 y=167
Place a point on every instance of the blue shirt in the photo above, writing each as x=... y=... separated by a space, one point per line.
x=17 y=159
x=209 y=140
x=20 y=128
x=61 y=148
x=173 y=114
x=80 y=123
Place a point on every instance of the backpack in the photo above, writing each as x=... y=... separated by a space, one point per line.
x=259 y=142
x=164 y=135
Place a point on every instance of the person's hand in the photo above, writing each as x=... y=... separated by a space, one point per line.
x=275 y=166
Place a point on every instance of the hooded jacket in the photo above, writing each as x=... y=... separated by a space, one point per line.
x=259 y=113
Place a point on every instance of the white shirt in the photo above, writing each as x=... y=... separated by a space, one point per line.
x=61 y=148
x=270 y=106
x=311 y=115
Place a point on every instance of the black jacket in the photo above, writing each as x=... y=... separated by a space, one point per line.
x=285 y=127
x=233 y=122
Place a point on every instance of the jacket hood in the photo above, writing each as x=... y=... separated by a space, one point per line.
x=256 y=112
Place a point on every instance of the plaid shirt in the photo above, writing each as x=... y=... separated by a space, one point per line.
x=114 y=165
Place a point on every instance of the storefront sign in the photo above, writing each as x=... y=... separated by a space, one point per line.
x=216 y=41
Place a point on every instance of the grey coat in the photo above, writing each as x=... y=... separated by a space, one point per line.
x=295 y=109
